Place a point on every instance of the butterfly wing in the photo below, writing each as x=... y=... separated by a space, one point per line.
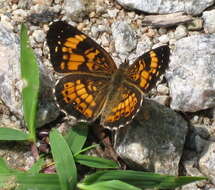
x=146 y=69
x=122 y=108
x=81 y=96
x=73 y=51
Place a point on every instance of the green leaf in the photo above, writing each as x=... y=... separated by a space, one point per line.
x=64 y=161
x=30 y=77
x=95 y=162
x=140 y=179
x=12 y=134
x=108 y=185
x=25 y=181
x=35 y=169
x=4 y=167
x=76 y=137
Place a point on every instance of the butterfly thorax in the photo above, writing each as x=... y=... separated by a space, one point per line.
x=115 y=88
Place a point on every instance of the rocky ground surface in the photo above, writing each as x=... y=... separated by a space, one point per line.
x=174 y=133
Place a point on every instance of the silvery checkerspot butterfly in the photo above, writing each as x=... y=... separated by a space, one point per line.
x=92 y=85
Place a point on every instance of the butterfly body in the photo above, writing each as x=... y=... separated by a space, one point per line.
x=92 y=85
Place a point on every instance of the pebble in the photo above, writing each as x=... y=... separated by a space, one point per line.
x=180 y=32
x=164 y=39
x=39 y=36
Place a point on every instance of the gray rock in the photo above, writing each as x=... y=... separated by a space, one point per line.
x=191 y=73
x=209 y=18
x=207 y=162
x=124 y=37
x=74 y=9
x=154 y=140
x=193 y=7
x=11 y=83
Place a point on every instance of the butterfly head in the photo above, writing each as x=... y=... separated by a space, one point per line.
x=124 y=65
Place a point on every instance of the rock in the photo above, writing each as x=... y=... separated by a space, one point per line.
x=209 y=17
x=196 y=24
x=162 y=99
x=154 y=140
x=191 y=73
x=11 y=83
x=74 y=9
x=192 y=7
x=164 y=39
x=167 y=20
x=124 y=37
x=207 y=161
x=162 y=89
x=39 y=36
x=180 y=32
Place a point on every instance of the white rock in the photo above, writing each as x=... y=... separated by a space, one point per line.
x=162 y=89
x=193 y=7
x=209 y=18
x=39 y=36
x=191 y=73
x=74 y=9
x=164 y=38
x=124 y=37
x=180 y=32
x=112 y=13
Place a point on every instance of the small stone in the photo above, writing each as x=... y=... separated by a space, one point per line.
x=162 y=89
x=19 y=15
x=196 y=24
x=180 y=32
x=74 y=9
x=164 y=39
x=131 y=14
x=209 y=18
x=162 y=31
x=112 y=13
x=39 y=36
x=124 y=37
x=162 y=99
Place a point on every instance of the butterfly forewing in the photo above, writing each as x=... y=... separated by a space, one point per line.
x=73 y=51
x=146 y=69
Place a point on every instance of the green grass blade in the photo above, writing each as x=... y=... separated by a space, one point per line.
x=76 y=137
x=24 y=181
x=12 y=134
x=140 y=179
x=64 y=161
x=4 y=167
x=95 y=162
x=30 y=77
x=86 y=149
x=108 y=185
x=35 y=169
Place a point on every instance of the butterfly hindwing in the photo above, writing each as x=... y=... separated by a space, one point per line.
x=146 y=69
x=81 y=96
x=122 y=108
x=73 y=51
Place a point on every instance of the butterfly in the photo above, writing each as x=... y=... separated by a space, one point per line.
x=92 y=86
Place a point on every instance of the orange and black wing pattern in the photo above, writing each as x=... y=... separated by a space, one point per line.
x=81 y=96
x=123 y=110
x=73 y=51
x=146 y=69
